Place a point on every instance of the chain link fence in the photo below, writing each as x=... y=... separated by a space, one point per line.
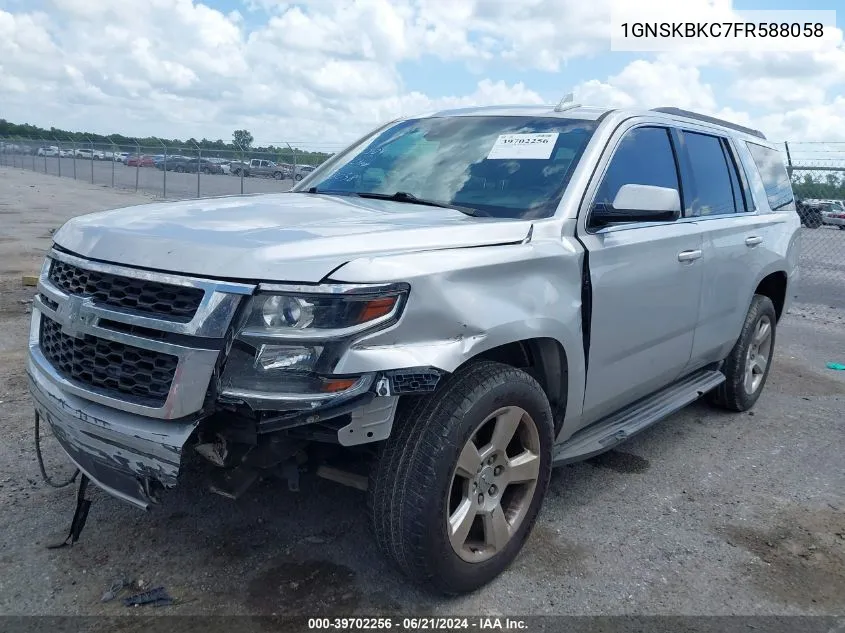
x=167 y=170
x=817 y=171
x=189 y=171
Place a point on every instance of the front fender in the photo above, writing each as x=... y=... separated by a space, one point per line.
x=466 y=301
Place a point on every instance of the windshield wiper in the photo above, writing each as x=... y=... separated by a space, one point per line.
x=400 y=196
x=404 y=196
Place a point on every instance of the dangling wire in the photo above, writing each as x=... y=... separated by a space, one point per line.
x=44 y=475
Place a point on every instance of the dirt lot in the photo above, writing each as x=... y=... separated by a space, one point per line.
x=708 y=513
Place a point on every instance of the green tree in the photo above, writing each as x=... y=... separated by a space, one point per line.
x=242 y=138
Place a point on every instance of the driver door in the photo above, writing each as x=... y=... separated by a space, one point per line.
x=646 y=280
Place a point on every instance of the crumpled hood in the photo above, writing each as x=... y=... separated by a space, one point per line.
x=290 y=237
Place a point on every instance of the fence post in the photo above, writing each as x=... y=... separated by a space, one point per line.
x=199 y=158
x=46 y=149
x=137 y=163
x=164 y=170
x=59 y=159
x=242 y=161
x=73 y=144
x=113 y=161
x=788 y=159
x=33 y=159
x=91 y=143
x=293 y=174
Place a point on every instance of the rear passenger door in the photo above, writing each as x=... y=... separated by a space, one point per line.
x=736 y=239
x=645 y=279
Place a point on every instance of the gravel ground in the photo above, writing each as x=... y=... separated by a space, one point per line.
x=707 y=514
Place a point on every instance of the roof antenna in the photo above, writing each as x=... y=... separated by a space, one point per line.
x=567 y=103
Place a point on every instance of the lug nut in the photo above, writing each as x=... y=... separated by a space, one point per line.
x=480 y=468
x=474 y=486
x=498 y=470
x=492 y=491
x=491 y=460
x=480 y=498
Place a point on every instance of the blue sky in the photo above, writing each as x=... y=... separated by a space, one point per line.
x=325 y=71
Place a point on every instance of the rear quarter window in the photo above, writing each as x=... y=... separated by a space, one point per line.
x=772 y=172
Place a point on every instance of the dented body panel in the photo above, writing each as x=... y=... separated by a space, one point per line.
x=467 y=301
x=127 y=455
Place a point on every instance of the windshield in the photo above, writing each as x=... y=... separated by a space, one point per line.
x=508 y=167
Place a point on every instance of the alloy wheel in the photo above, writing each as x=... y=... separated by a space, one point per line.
x=759 y=354
x=493 y=484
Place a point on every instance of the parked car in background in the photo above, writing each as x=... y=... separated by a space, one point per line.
x=66 y=153
x=52 y=150
x=121 y=157
x=140 y=161
x=833 y=213
x=191 y=164
x=223 y=163
x=810 y=213
x=83 y=153
x=258 y=167
x=301 y=171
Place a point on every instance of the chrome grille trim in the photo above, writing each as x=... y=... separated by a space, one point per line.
x=79 y=316
x=211 y=319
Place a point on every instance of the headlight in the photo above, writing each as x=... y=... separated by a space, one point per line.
x=338 y=312
x=277 y=358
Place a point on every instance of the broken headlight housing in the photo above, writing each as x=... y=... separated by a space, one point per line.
x=291 y=337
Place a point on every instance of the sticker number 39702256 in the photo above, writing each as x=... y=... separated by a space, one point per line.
x=511 y=146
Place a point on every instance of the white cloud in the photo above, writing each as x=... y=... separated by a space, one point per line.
x=648 y=84
x=327 y=70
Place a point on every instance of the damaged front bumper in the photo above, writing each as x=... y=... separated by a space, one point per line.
x=129 y=456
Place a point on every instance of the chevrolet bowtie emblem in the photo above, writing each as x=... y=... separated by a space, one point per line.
x=72 y=317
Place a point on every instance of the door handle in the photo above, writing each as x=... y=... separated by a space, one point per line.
x=689 y=256
x=753 y=241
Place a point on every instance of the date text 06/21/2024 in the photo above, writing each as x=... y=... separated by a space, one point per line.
x=419 y=624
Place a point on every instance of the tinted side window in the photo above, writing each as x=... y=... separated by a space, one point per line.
x=644 y=157
x=773 y=173
x=714 y=190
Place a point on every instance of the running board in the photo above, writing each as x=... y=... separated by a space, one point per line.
x=603 y=435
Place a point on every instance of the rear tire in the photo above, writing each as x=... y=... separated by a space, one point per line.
x=442 y=501
x=747 y=366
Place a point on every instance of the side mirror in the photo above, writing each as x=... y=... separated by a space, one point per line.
x=639 y=203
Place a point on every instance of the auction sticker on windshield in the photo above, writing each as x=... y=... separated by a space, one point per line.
x=539 y=145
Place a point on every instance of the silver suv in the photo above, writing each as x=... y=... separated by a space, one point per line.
x=439 y=314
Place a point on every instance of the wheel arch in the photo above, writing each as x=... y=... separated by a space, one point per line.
x=544 y=359
x=774 y=286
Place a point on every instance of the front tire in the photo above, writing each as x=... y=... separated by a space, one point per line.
x=747 y=366
x=458 y=486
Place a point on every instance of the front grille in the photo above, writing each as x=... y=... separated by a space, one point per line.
x=177 y=303
x=113 y=369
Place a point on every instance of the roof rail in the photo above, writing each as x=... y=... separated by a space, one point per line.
x=709 y=119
